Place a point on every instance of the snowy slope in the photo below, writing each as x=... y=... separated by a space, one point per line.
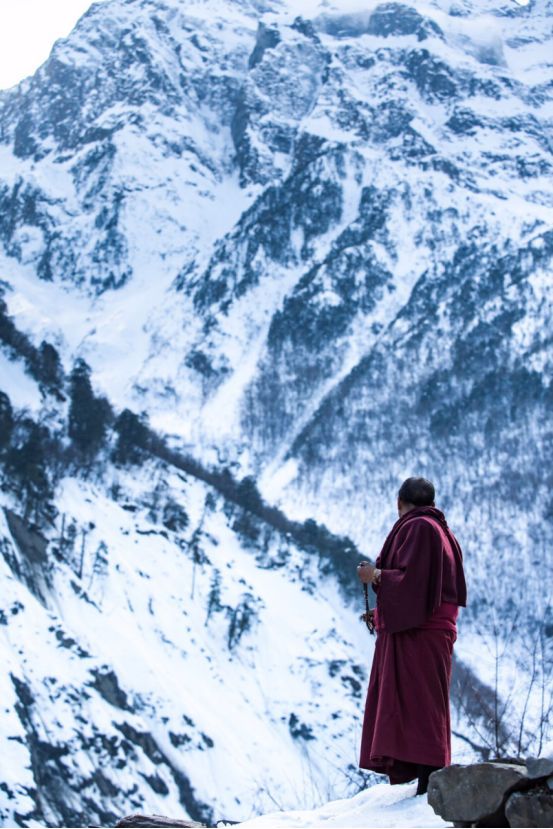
x=141 y=659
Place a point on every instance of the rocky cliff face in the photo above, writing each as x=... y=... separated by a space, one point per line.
x=314 y=244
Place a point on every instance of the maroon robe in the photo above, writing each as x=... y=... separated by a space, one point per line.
x=407 y=719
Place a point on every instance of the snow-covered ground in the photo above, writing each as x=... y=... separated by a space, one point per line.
x=380 y=806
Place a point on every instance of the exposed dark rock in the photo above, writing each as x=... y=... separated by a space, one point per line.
x=55 y=790
x=388 y=19
x=267 y=37
x=187 y=797
x=534 y=808
x=399 y=19
x=434 y=79
x=103 y=783
x=31 y=565
x=30 y=543
x=179 y=740
x=107 y=685
x=464 y=121
x=68 y=642
x=158 y=785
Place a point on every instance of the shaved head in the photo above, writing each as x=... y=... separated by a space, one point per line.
x=417 y=491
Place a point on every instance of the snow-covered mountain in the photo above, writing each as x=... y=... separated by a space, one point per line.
x=149 y=669
x=312 y=244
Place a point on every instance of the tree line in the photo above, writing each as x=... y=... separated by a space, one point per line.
x=36 y=453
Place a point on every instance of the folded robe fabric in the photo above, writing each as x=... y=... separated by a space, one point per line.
x=407 y=717
x=422 y=566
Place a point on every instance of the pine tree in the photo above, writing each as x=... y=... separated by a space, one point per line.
x=242 y=617
x=25 y=462
x=48 y=366
x=88 y=415
x=132 y=434
x=248 y=494
x=214 y=597
x=6 y=420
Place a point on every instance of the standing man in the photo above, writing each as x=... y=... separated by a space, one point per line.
x=420 y=584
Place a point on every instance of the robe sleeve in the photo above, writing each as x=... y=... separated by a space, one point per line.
x=410 y=591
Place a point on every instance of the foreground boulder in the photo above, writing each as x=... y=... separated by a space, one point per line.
x=474 y=795
x=494 y=794
x=533 y=808
x=539 y=767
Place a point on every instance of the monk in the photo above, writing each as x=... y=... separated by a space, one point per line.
x=419 y=583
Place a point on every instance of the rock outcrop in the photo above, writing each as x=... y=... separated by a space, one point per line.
x=495 y=793
x=138 y=821
x=533 y=808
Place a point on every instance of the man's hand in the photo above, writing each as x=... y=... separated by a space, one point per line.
x=368 y=618
x=367 y=573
